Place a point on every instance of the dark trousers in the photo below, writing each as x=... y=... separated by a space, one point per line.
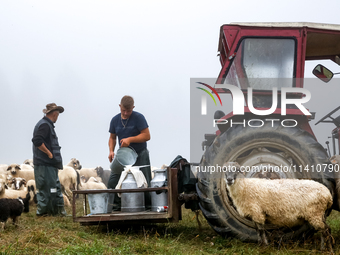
x=142 y=160
x=49 y=196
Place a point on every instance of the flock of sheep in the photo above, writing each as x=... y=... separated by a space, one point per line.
x=17 y=181
x=310 y=203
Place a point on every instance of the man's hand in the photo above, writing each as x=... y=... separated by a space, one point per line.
x=50 y=155
x=125 y=142
x=141 y=138
x=111 y=156
x=44 y=149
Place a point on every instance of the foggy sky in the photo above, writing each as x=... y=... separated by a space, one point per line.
x=86 y=55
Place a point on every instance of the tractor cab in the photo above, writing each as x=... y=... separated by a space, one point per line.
x=263 y=56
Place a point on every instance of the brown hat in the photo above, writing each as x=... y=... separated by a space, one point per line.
x=53 y=107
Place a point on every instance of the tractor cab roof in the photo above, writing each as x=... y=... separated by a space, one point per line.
x=322 y=40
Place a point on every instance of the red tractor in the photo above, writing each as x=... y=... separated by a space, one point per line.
x=263 y=56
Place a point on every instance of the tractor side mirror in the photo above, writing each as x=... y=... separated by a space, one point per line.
x=323 y=73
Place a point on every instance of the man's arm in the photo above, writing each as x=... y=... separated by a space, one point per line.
x=38 y=139
x=144 y=136
x=112 y=145
x=44 y=149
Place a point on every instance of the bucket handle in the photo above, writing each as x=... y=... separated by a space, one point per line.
x=131 y=149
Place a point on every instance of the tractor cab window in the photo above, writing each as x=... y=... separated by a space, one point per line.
x=263 y=63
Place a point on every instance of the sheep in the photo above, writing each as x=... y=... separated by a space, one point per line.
x=29 y=162
x=21 y=184
x=74 y=163
x=18 y=183
x=282 y=202
x=12 y=208
x=66 y=201
x=12 y=193
x=26 y=167
x=105 y=175
x=91 y=172
x=33 y=191
x=100 y=172
x=9 y=181
x=3 y=185
x=3 y=169
x=69 y=179
x=24 y=171
x=9 y=193
x=92 y=183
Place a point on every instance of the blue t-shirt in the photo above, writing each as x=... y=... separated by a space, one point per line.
x=133 y=126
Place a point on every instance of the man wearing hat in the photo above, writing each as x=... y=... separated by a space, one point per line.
x=47 y=160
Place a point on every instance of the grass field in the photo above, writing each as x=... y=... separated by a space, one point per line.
x=60 y=235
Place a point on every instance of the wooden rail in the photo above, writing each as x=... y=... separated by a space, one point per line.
x=172 y=215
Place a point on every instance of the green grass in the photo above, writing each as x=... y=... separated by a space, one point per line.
x=56 y=235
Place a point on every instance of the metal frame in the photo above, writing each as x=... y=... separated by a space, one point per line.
x=172 y=215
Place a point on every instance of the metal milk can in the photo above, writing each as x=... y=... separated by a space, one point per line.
x=159 y=180
x=131 y=202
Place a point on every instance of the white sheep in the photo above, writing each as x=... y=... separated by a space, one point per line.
x=29 y=162
x=282 y=202
x=74 y=163
x=3 y=169
x=24 y=171
x=33 y=191
x=69 y=179
x=10 y=193
x=3 y=184
x=9 y=181
x=91 y=172
x=92 y=183
x=66 y=201
x=18 y=183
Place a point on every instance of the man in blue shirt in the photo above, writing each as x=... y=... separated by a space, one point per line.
x=132 y=130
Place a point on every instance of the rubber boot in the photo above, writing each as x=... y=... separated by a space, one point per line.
x=62 y=212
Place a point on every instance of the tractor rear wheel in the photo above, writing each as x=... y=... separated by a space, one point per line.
x=250 y=146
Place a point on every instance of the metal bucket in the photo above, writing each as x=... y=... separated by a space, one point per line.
x=132 y=202
x=125 y=156
x=100 y=203
x=159 y=200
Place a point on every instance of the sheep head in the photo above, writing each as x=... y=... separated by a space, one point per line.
x=232 y=170
x=13 y=168
x=82 y=178
x=25 y=202
x=75 y=164
x=9 y=179
x=29 y=162
x=99 y=171
x=18 y=182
